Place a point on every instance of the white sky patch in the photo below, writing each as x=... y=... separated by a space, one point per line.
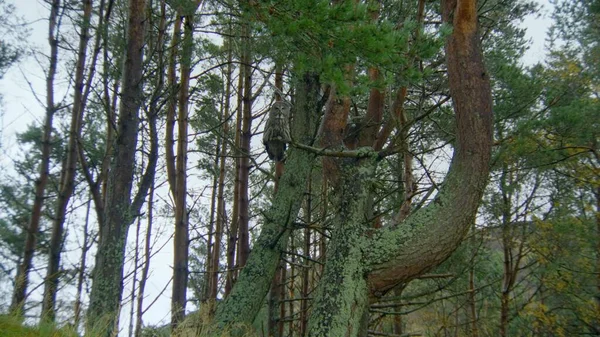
x=537 y=28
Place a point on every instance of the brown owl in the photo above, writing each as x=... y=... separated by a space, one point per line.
x=277 y=131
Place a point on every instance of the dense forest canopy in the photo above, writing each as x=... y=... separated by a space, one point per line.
x=301 y=168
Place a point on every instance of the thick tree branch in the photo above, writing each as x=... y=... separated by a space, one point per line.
x=427 y=237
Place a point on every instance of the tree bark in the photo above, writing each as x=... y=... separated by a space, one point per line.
x=134 y=276
x=181 y=236
x=275 y=293
x=120 y=211
x=333 y=128
x=232 y=235
x=427 y=237
x=341 y=301
x=374 y=115
x=396 y=254
x=232 y=242
x=153 y=111
x=472 y=303
x=509 y=275
x=305 y=271
x=110 y=106
x=364 y=263
x=22 y=277
x=208 y=285
x=172 y=104
x=246 y=135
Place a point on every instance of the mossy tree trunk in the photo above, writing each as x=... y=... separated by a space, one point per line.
x=341 y=302
x=364 y=263
x=247 y=296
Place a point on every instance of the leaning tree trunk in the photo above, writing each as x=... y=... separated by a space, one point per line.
x=363 y=264
x=247 y=296
x=22 y=277
x=428 y=236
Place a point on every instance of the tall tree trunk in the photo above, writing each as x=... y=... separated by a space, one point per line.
x=275 y=308
x=221 y=217
x=232 y=243
x=68 y=171
x=232 y=235
x=279 y=165
x=324 y=211
x=275 y=293
x=172 y=104
x=438 y=228
x=153 y=111
x=208 y=285
x=408 y=192
x=333 y=128
x=107 y=286
x=510 y=269
x=181 y=236
x=372 y=120
x=246 y=135
x=22 y=277
x=110 y=106
x=291 y=283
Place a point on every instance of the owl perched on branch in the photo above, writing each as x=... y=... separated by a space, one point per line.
x=277 y=131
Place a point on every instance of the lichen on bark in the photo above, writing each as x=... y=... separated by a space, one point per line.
x=248 y=294
x=341 y=301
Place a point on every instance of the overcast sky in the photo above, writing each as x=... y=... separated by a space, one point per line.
x=21 y=108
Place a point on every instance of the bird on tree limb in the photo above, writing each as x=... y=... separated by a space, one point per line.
x=277 y=131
